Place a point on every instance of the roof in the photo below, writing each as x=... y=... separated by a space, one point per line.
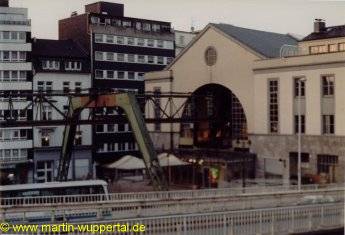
x=57 y=48
x=265 y=43
x=328 y=32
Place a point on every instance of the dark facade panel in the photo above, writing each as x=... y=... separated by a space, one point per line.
x=112 y=9
x=105 y=65
x=134 y=50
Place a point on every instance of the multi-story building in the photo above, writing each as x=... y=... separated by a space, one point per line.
x=122 y=50
x=60 y=66
x=15 y=77
x=276 y=81
x=182 y=39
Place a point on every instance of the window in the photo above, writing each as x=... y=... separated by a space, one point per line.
x=181 y=40
x=211 y=56
x=117 y=22
x=110 y=74
x=78 y=138
x=318 y=49
x=49 y=87
x=150 y=43
x=77 y=87
x=302 y=124
x=121 y=75
x=131 y=75
x=141 y=42
x=151 y=59
x=65 y=87
x=127 y=24
x=95 y=20
x=120 y=40
x=169 y=60
x=99 y=128
x=299 y=81
x=14 y=75
x=160 y=60
x=328 y=125
x=6 y=56
x=22 y=57
x=98 y=55
x=22 y=36
x=120 y=57
x=273 y=106
x=109 y=39
x=121 y=127
x=141 y=76
x=98 y=38
x=110 y=56
x=6 y=75
x=333 y=47
x=325 y=163
x=328 y=85
x=45 y=137
x=14 y=55
x=73 y=65
x=131 y=58
x=160 y=43
x=130 y=41
x=131 y=146
x=156 y=27
x=146 y=27
x=14 y=35
x=47 y=113
x=122 y=146
x=111 y=147
x=40 y=86
x=141 y=59
x=99 y=73
x=111 y=128
x=342 y=46
x=6 y=35
x=138 y=25
x=50 y=65
x=22 y=75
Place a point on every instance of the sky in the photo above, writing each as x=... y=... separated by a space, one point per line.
x=281 y=16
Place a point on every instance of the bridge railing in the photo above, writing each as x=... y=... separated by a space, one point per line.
x=284 y=220
x=156 y=196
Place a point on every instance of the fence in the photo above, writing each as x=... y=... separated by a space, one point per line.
x=157 y=196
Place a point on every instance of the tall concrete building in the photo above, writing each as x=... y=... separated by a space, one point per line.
x=122 y=50
x=15 y=77
x=182 y=39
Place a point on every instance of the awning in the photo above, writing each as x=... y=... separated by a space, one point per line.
x=166 y=159
x=127 y=162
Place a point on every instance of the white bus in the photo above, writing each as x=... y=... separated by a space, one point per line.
x=54 y=189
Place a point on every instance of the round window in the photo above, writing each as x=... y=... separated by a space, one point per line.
x=211 y=56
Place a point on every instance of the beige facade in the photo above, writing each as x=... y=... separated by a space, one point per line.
x=246 y=72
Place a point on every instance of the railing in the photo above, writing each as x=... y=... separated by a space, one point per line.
x=285 y=220
x=158 y=196
x=110 y=210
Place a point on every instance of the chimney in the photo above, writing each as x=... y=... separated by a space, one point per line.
x=4 y=3
x=74 y=13
x=319 y=25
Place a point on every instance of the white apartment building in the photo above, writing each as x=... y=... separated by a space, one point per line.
x=15 y=76
x=182 y=39
x=61 y=66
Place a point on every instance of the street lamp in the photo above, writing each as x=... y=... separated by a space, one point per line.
x=299 y=134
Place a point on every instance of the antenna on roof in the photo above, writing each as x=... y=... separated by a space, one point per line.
x=192 y=28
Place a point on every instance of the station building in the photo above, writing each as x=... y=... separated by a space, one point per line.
x=245 y=95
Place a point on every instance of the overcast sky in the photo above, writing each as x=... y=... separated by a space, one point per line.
x=282 y=16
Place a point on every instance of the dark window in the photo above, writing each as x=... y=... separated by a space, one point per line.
x=302 y=124
x=325 y=163
x=273 y=106
x=328 y=125
x=299 y=81
x=121 y=127
x=99 y=128
x=328 y=85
